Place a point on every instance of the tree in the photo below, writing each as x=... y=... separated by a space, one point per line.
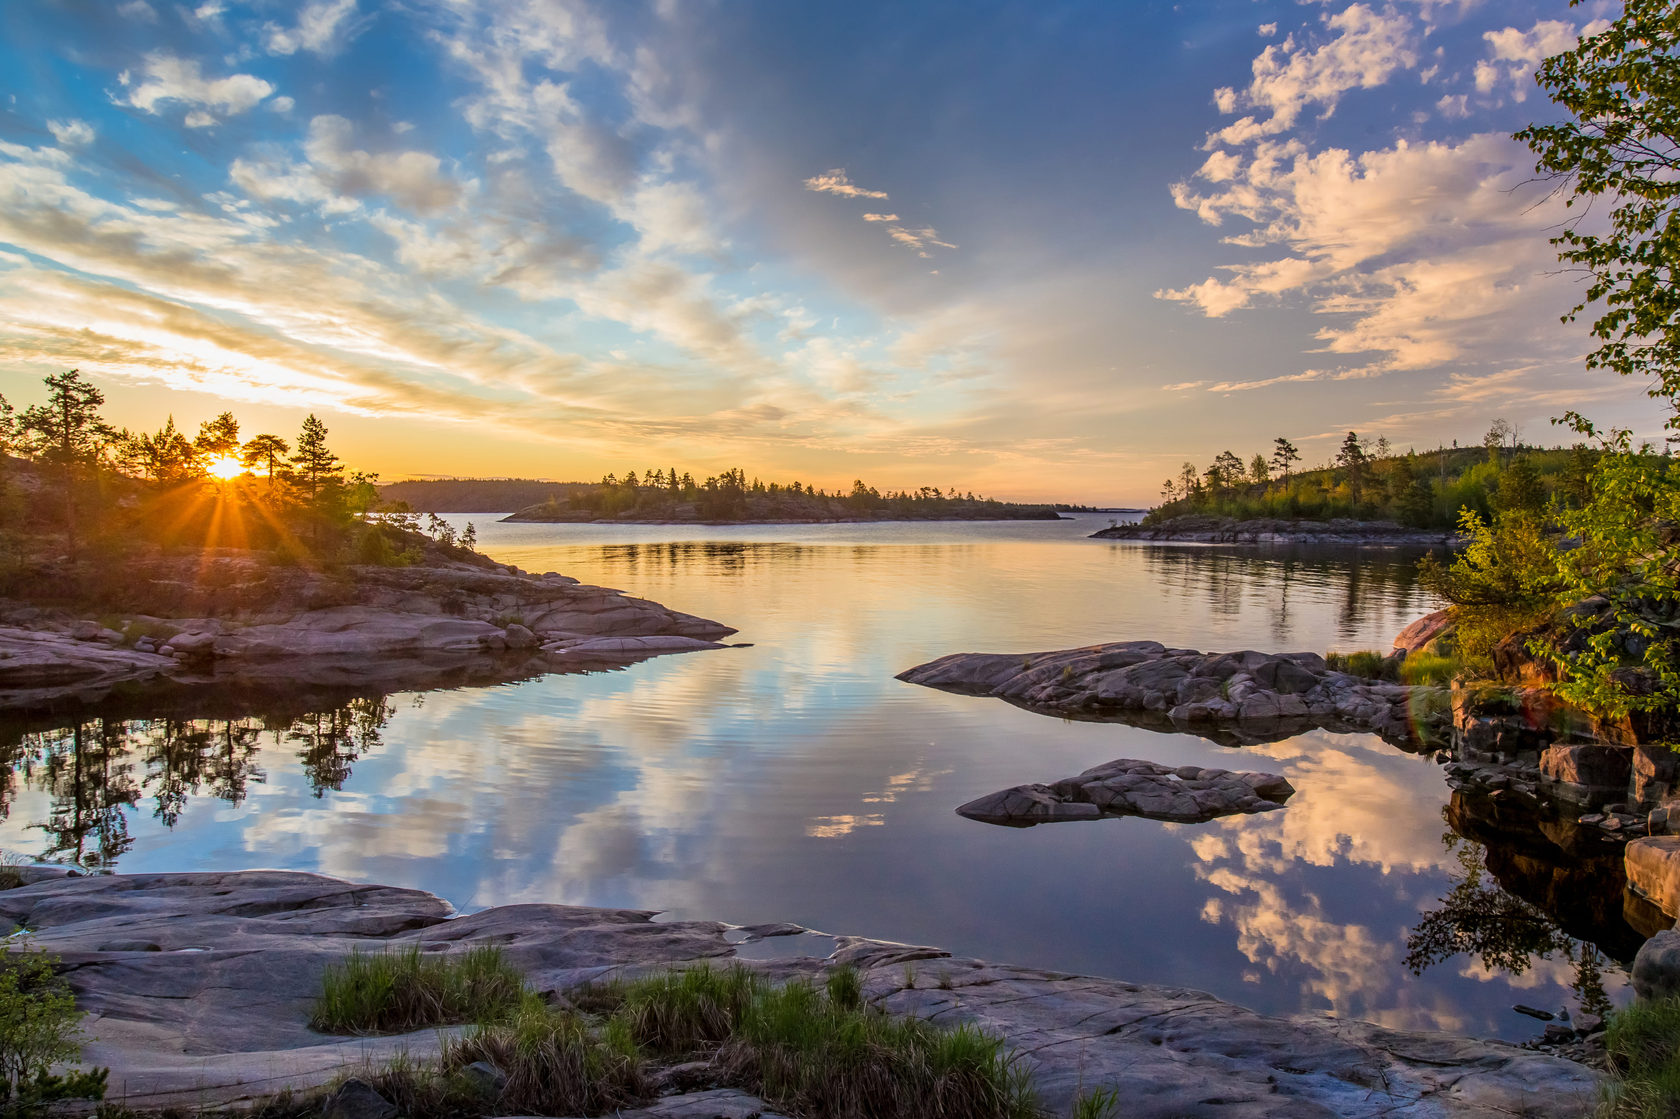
x=269 y=452
x=67 y=432
x=165 y=457
x=1621 y=88
x=8 y=436
x=1257 y=470
x=39 y=1028
x=217 y=438
x=316 y=468
x=1284 y=455
x=1354 y=462
x=1494 y=441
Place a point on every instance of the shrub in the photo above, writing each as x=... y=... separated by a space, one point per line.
x=556 y=1063
x=39 y=1028
x=394 y=992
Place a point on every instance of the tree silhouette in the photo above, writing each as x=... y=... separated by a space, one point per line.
x=67 y=432
x=218 y=437
x=316 y=468
x=1284 y=456
x=269 y=452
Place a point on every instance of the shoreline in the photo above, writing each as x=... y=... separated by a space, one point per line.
x=515 y=518
x=1204 y=529
x=203 y=951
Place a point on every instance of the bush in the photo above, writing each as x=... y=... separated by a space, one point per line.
x=395 y=992
x=39 y=1028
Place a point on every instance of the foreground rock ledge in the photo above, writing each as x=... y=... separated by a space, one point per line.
x=197 y=989
x=1234 y=698
x=372 y=627
x=1185 y=794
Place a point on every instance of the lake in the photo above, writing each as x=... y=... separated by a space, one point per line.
x=796 y=780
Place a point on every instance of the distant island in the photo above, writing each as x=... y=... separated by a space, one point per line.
x=1369 y=494
x=661 y=496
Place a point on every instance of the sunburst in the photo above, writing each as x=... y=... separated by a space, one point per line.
x=224 y=468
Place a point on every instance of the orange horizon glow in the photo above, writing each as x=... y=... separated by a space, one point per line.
x=225 y=468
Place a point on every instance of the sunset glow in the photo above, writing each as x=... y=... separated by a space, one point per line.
x=225 y=468
x=1032 y=256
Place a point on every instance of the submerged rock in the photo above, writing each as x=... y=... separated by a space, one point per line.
x=1241 y=697
x=1185 y=794
x=218 y=1012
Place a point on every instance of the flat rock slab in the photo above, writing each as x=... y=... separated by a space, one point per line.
x=1233 y=698
x=1184 y=794
x=197 y=989
x=377 y=627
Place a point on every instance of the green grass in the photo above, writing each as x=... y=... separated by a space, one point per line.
x=1428 y=668
x=1098 y=1103
x=1370 y=665
x=818 y=1050
x=395 y=992
x=1644 y=1048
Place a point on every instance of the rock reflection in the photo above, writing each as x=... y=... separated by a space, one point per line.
x=97 y=770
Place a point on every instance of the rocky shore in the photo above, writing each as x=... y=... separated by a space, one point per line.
x=1233 y=698
x=233 y=619
x=197 y=990
x=1209 y=529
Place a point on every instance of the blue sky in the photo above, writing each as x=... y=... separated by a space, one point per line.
x=1037 y=250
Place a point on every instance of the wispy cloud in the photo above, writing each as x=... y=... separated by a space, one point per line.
x=170 y=78
x=836 y=181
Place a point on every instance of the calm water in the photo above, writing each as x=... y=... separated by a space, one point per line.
x=797 y=780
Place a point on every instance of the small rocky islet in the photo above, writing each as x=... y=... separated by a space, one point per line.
x=234 y=619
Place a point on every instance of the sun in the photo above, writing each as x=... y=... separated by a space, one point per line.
x=224 y=467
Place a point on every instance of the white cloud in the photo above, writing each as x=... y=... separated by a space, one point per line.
x=198 y=118
x=71 y=133
x=173 y=79
x=321 y=29
x=336 y=173
x=1418 y=253
x=1515 y=54
x=1368 y=47
x=918 y=241
x=880 y=217
x=137 y=10
x=836 y=181
x=1267 y=30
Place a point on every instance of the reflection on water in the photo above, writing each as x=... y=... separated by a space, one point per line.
x=98 y=771
x=796 y=780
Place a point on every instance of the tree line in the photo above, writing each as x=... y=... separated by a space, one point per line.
x=96 y=483
x=1370 y=480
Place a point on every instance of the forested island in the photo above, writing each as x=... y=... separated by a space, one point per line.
x=135 y=564
x=662 y=496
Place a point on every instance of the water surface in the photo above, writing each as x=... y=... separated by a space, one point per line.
x=796 y=780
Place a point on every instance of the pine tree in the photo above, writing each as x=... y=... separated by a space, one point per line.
x=1284 y=455
x=269 y=452
x=67 y=432
x=317 y=469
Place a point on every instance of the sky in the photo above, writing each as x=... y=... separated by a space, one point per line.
x=1035 y=250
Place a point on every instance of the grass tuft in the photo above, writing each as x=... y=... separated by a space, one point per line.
x=556 y=1063
x=684 y=1011
x=1366 y=663
x=1644 y=1049
x=395 y=992
x=1098 y=1103
x=1428 y=668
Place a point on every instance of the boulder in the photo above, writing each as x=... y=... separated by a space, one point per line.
x=1423 y=631
x=1128 y=787
x=1656 y=969
x=1653 y=870
x=1587 y=775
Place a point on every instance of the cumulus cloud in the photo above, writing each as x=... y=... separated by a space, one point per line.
x=336 y=173
x=169 y=78
x=1514 y=54
x=836 y=181
x=323 y=28
x=1419 y=253
x=71 y=133
x=1367 y=48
